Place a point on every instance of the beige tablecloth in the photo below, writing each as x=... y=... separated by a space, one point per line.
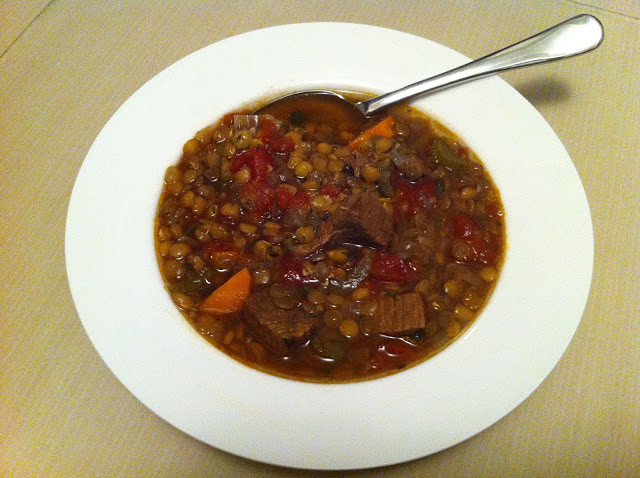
x=66 y=66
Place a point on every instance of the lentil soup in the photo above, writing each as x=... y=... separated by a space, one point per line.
x=316 y=252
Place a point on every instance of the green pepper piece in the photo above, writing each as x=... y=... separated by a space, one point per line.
x=445 y=154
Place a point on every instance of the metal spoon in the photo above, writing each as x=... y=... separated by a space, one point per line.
x=577 y=35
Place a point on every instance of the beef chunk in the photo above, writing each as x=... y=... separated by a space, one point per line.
x=365 y=211
x=397 y=315
x=361 y=220
x=275 y=328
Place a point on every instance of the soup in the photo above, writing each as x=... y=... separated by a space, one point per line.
x=313 y=251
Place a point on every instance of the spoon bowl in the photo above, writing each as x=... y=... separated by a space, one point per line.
x=316 y=105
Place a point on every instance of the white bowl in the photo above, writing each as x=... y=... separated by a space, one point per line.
x=157 y=355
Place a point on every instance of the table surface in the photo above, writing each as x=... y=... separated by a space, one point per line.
x=66 y=66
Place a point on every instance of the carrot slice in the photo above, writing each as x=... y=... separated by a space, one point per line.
x=384 y=129
x=230 y=296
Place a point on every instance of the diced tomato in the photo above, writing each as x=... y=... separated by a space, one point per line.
x=411 y=198
x=389 y=267
x=330 y=190
x=484 y=249
x=464 y=226
x=239 y=162
x=258 y=198
x=300 y=200
x=426 y=189
x=270 y=136
x=287 y=199
x=391 y=353
x=259 y=165
x=284 y=195
x=291 y=271
x=482 y=245
x=257 y=159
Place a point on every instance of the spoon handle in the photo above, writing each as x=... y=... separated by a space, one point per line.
x=577 y=35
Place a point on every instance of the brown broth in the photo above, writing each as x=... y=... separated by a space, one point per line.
x=447 y=247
